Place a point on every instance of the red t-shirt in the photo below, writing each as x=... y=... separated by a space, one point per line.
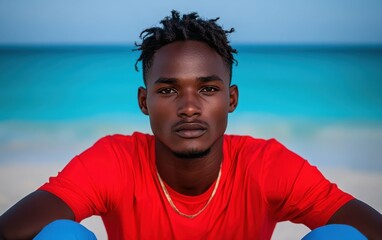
x=261 y=184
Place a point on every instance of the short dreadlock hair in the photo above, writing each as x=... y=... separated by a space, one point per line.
x=189 y=27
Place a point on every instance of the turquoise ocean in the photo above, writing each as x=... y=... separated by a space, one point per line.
x=323 y=102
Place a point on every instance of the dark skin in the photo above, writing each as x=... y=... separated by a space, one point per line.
x=188 y=101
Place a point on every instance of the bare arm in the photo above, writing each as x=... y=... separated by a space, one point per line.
x=27 y=217
x=361 y=216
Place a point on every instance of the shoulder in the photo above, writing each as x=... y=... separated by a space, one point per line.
x=263 y=158
x=135 y=141
x=250 y=147
x=117 y=146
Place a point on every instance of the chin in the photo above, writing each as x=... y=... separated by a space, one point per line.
x=192 y=153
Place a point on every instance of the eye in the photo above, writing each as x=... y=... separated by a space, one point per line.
x=166 y=91
x=209 y=89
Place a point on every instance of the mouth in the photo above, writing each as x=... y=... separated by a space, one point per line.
x=190 y=129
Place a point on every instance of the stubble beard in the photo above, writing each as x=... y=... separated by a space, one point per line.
x=192 y=154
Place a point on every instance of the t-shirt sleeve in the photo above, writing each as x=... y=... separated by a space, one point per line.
x=297 y=191
x=92 y=182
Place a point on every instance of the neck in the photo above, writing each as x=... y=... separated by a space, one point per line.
x=189 y=176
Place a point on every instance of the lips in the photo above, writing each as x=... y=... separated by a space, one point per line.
x=190 y=129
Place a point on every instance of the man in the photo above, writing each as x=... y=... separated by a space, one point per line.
x=189 y=180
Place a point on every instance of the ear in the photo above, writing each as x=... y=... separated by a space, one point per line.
x=233 y=98
x=142 y=97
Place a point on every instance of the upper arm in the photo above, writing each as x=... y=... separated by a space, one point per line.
x=297 y=191
x=361 y=216
x=27 y=217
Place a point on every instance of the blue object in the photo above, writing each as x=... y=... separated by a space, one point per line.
x=65 y=230
x=70 y=230
x=335 y=232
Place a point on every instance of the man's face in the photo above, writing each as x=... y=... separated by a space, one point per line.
x=188 y=98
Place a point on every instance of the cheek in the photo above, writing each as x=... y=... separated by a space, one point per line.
x=154 y=106
x=159 y=113
x=219 y=110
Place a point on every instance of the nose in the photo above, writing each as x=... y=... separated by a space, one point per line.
x=188 y=105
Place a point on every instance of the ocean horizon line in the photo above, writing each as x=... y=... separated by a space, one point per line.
x=246 y=46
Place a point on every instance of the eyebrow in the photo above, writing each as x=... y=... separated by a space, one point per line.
x=165 y=80
x=210 y=78
x=201 y=79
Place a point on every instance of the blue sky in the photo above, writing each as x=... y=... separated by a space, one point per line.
x=119 y=22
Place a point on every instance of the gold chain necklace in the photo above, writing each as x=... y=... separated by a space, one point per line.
x=173 y=205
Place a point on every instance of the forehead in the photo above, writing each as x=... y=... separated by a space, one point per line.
x=187 y=60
